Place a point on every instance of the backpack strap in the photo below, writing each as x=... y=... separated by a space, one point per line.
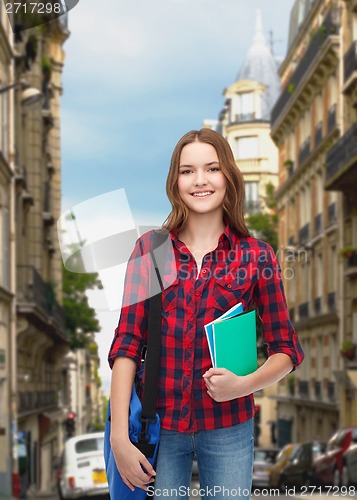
x=152 y=360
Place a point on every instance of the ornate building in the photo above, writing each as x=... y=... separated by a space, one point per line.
x=317 y=214
x=245 y=119
x=7 y=286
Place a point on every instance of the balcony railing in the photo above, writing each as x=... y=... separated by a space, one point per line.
x=332 y=118
x=318 y=134
x=350 y=62
x=318 y=224
x=304 y=388
x=244 y=117
x=341 y=162
x=331 y=301
x=304 y=310
x=331 y=214
x=47 y=197
x=304 y=152
x=252 y=206
x=304 y=234
x=31 y=288
x=37 y=400
x=329 y=27
x=317 y=305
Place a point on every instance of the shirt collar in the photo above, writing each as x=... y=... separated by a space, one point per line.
x=228 y=234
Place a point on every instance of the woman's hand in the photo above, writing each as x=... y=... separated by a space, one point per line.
x=130 y=463
x=223 y=385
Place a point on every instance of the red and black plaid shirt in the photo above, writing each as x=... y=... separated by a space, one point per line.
x=241 y=269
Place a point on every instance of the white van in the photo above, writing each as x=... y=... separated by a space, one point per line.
x=82 y=470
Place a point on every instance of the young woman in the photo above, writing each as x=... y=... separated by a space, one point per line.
x=203 y=410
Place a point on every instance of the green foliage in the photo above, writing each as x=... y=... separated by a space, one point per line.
x=93 y=348
x=291 y=88
x=80 y=317
x=347 y=345
x=266 y=225
x=105 y=407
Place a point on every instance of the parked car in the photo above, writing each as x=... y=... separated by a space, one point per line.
x=263 y=459
x=281 y=460
x=331 y=466
x=349 y=470
x=82 y=468
x=300 y=469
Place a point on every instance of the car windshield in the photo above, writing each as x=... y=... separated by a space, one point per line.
x=265 y=456
x=88 y=445
x=318 y=449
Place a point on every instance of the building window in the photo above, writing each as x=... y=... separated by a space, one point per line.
x=251 y=191
x=292 y=147
x=247 y=147
x=4 y=125
x=246 y=106
x=319 y=108
x=4 y=250
x=332 y=269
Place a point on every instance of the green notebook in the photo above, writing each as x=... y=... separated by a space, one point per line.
x=235 y=343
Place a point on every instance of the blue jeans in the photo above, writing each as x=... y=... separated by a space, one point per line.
x=224 y=457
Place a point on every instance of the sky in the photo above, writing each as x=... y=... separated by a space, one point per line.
x=137 y=76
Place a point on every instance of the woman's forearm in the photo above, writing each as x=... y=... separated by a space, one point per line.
x=274 y=369
x=123 y=375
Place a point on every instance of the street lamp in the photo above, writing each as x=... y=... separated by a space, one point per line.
x=29 y=96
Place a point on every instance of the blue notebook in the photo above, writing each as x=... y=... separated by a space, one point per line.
x=238 y=308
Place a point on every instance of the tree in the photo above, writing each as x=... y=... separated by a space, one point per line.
x=79 y=316
x=265 y=225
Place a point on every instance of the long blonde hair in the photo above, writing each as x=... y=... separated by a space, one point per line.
x=233 y=203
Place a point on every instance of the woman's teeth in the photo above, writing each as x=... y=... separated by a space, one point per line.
x=201 y=195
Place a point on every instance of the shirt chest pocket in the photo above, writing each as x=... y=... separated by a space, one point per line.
x=228 y=291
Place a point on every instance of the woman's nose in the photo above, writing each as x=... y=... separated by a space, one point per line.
x=200 y=178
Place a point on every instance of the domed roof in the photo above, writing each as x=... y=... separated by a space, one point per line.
x=261 y=66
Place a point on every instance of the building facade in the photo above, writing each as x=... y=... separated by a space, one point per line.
x=7 y=286
x=41 y=338
x=310 y=115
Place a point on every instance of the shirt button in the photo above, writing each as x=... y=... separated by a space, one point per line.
x=229 y=286
x=192 y=319
x=204 y=271
x=197 y=294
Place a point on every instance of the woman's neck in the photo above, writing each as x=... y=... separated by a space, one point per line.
x=201 y=230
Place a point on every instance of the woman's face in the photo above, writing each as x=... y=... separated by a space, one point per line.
x=201 y=183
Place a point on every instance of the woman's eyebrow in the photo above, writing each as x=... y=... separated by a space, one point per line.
x=205 y=165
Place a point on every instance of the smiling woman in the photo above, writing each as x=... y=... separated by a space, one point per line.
x=203 y=410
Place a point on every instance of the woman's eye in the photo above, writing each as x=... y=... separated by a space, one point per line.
x=214 y=168
x=185 y=171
